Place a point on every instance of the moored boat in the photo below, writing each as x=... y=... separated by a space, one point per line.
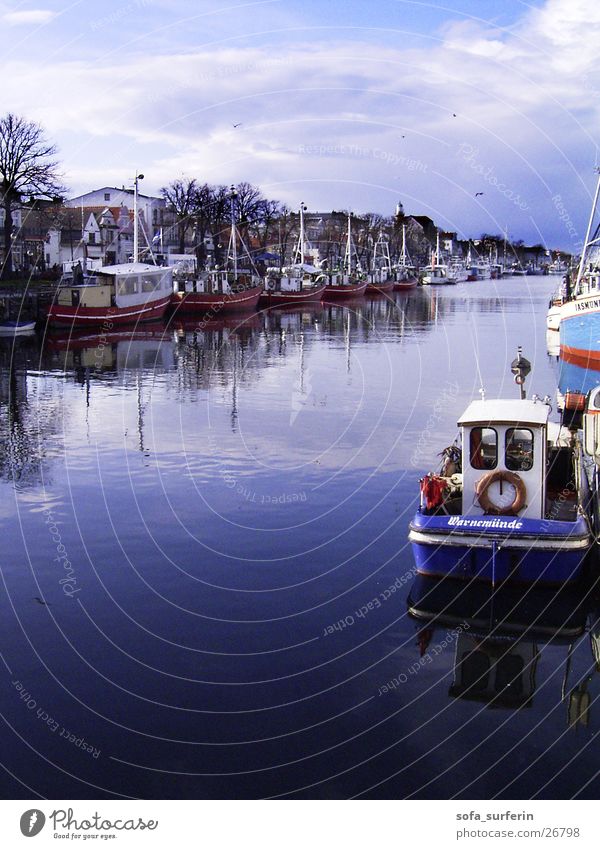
x=349 y=282
x=578 y=316
x=296 y=284
x=512 y=500
x=14 y=327
x=405 y=274
x=116 y=294
x=221 y=290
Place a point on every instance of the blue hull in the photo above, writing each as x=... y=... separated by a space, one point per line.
x=581 y=333
x=502 y=548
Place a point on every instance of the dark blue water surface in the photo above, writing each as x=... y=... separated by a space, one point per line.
x=205 y=563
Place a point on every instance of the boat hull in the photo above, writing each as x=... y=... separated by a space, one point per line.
x=500 y=548
x=65 y=316
x=344 y=291
x=580 y=330
x=186 y=303
x=405 y=285
x=280 y=299
x=380 y=288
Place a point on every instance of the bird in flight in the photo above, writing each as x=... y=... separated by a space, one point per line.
x=454 y=114
x=478 y=193
x=237 y=125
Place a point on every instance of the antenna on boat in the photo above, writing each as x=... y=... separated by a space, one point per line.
x=520 y=367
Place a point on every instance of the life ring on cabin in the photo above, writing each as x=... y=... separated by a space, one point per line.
x=487 y=505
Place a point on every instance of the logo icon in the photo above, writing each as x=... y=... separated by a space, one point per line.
x=32 y=822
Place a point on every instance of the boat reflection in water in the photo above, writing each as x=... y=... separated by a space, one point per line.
x=499 y=636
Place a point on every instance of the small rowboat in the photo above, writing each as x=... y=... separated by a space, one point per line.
x=12 y=328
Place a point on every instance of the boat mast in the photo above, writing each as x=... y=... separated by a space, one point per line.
x=404 y=263
x=301 y=246
x=233 y=239
x=589 y=229
x=348 y=262
x=136 y=239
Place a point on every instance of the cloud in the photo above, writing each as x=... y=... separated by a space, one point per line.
x=342 y=123
x=30 y=16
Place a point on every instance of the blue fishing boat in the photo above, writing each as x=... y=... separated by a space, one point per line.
x=577 y=312
x=511 y=501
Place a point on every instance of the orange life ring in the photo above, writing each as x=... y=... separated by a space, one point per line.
x=484 y=483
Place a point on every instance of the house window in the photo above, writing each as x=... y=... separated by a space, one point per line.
x=106 y=195
x=518 y=454
x=91 y=238
x=483 y=448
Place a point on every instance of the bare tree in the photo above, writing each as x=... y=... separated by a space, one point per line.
x=27 y=166
x=180 y=196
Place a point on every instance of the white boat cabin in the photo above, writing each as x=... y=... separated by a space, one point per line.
x=125 y=285
x=505 y=436
x=294 y=278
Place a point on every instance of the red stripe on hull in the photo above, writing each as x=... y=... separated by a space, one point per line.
x=97 y=316
x=347 y=291
x=279 y=299
x=200 y=302
x=581 y=357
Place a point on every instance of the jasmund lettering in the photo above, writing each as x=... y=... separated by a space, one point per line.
x=588 y=305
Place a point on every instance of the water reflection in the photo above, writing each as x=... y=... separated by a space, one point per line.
x=499 y=636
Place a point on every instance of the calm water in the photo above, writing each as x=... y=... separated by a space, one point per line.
x=200 y=507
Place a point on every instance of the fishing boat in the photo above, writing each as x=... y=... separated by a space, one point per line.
x=437 y=272
x=405 y=274
x=297 y=284
x=14 y=327
x=478 y=268
x=220 y=291
x=380 y=280
x=126 y=293
x=349 y=282
x=578 y=316
x=511 y=501
x=115 y=294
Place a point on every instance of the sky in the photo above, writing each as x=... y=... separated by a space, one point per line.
x=484 y=116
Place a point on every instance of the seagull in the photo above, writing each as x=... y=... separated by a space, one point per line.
x=39 y=601
x=454 y=114
x=478 y=193
x=237 y=125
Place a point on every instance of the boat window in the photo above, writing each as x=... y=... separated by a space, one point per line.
x=518 y=454
x=150 y=283
x=483 y=450
x=128 y=285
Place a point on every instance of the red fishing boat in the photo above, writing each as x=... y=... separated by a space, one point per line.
x=113 y=295
x=223 y=290
x=346 y=283
x=299 y=283
x=218 y=292
x=405 y=274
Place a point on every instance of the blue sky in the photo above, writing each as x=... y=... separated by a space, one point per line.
x=341 y=104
